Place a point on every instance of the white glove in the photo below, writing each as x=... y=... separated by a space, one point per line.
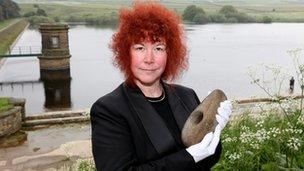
x=203 y=149
x=207 y=146
x=224 y=112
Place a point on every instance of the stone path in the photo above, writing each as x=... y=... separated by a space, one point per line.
x=49 y=149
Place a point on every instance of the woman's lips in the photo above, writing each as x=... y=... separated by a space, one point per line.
x=148 y=69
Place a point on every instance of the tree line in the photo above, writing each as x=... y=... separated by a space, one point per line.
x=227 y=14
x=192 y=13
x=8 y=9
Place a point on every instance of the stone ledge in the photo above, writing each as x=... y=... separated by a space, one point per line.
x=53 y=26
x=53 y=121
x=10 y=121
x=19 y=102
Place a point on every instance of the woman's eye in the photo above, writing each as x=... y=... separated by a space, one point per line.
x=139 y=48
x=160 y=48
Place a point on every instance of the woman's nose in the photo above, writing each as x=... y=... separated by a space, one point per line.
x=149 y=56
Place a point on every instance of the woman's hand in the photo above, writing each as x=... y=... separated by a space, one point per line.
x=207 y=146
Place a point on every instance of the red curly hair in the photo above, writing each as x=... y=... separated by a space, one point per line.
x=154 y=22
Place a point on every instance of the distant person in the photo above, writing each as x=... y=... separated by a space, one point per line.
x=138 y=125
x=291 y=85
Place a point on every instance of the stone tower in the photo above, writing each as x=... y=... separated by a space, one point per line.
x=55 y=65
x=55 y=47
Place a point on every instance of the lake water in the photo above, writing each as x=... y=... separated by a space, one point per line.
x=219 y=57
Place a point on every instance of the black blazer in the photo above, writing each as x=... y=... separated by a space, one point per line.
x=128 y=134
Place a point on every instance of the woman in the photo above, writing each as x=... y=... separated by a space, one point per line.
x=138 y=125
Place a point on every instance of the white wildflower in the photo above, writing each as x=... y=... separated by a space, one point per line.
x=245 y=128
x=300 y=120
x=274 y=132
x=246 y=137
x=262 y=135
x=259 y=105
x=274 y=106
x=289 y=125
x=234 y=156
x=293 y=131
x=255 y=145
x=301 y=68
x=260 y=123
x=249 y=152
x=229 y=139
x=294 y=144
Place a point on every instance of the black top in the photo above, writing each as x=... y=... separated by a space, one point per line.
x=162 y=107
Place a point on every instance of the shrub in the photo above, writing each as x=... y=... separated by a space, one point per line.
x=228 y=10
x=242 y=17
x=217 y=18
x=34 y=20
x=29 y=14
x=201 y=18
x=75 y=18
x=86 y=165
x=266 y=19
x=56 y=19
x=231 y=20
x=104 y=19
x=191 y=11
x=41 y=12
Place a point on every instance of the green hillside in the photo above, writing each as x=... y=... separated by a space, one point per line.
x=105 y=11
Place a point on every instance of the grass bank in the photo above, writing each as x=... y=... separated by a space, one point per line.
x=4 y=104
x=10 y=33
x=98 y=14
x=5 y=23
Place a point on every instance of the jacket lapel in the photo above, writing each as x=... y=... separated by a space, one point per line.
x=153 y=124
x=179 y=109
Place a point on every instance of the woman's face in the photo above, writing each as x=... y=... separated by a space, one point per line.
x=148 y=62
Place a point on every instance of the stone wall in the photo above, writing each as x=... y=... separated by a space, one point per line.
x=19 y=102
x=54 y=64
x=10 y=121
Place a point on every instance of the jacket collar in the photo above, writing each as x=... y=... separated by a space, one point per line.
x=152 y=122
x=178 y=107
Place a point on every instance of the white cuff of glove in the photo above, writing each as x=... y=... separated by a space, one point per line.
x=205 y=148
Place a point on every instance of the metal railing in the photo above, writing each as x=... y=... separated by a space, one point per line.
x=22 y=51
